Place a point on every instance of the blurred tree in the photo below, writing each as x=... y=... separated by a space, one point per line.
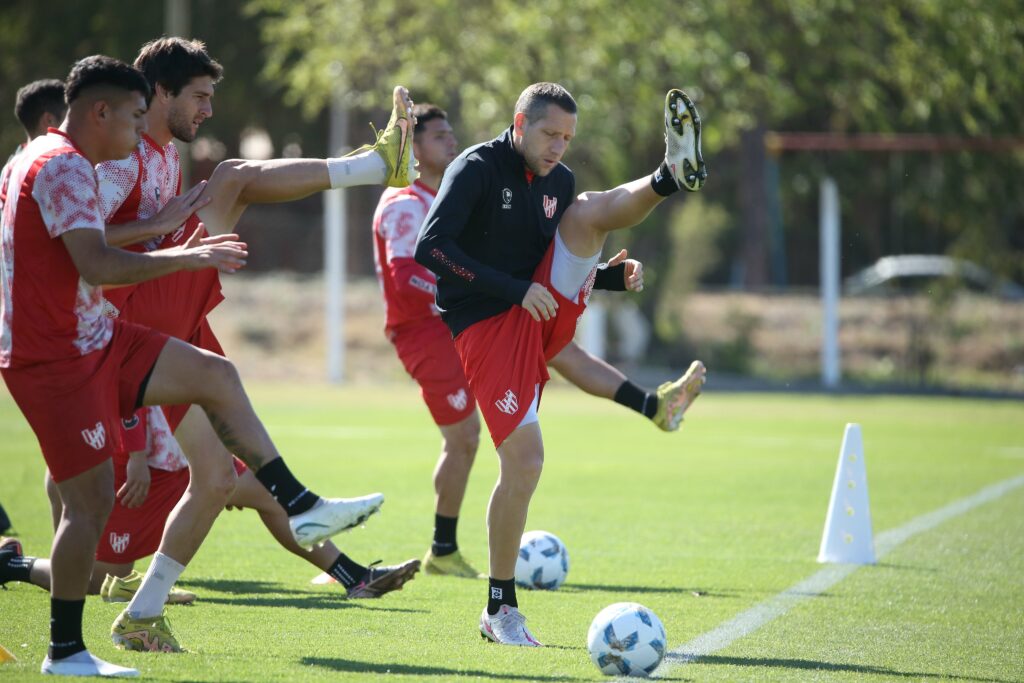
x=937 y=66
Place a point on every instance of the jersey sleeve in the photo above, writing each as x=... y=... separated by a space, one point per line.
x=451 y=214
x=66 y=191
x=116 y=180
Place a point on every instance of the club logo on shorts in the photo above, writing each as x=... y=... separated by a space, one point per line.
x=509 y=404
x=130 y=423
x=96 y=437
x=119 y=542
x=506 y=198
x=549 y=206
x=458 y=400
x=178 y=233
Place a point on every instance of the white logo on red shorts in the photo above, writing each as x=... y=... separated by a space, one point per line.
x=119 y=542
x=549 y=206
x=458 y=399
x=509 y=404
x=96 y=437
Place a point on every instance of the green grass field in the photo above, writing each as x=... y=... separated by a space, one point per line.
x=699 y=526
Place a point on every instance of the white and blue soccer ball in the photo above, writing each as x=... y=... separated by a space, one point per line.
x=626 y=639
x=543 y=561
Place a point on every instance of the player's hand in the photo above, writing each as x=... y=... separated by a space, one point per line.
x=177 y=211
x=223 y=252
x=133 y=492
x=634 y=273
x=539 y=302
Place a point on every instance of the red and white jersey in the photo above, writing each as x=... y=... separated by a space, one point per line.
x=408 y=287
x=47 y=311
x=135 y=189
x=5 y=173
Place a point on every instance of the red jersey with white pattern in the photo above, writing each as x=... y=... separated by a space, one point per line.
x=408 y=287
x=47 y=311
x=136 y=189
x=5 y=173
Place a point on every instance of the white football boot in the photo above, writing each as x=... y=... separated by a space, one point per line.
x=507 y=627
x=84 y=664
x=682 y=141
x=331 y=516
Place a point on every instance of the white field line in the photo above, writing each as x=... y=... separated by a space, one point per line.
x=754 y=618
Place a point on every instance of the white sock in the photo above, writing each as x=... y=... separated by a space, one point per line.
x=156 y=586
x=362 y=169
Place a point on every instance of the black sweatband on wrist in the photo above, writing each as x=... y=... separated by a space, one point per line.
x=662 y=181
x=611 y=278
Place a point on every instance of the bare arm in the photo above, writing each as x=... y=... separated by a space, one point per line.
x=98 y=263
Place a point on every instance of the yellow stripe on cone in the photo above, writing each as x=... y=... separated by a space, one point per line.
x=6 y=656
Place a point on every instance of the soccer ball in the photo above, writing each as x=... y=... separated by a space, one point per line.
x=543 y=561
x=626 y=639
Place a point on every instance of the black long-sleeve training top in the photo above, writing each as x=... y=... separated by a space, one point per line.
x=488 y=230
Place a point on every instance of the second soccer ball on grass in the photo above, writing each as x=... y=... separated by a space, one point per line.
x=543 y=561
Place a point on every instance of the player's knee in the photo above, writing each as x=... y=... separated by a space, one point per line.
x=216 y=483
x=231 y=173
x=219 y=376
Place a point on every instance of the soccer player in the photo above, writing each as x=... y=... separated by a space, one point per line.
x=130 y=539
x=38 y=106
x=511 y=287
x=424 y=343
x=140 y=197
x=72 y=371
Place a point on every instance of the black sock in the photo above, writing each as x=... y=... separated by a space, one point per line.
x=66 y=627
x=632 y=396
x=347 y=571
x=662 y=181
x=285 y=488
x=444 y=536
x=15 y=567
x=500 y=593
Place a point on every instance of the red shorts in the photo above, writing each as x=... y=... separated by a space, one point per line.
x=505 y=356
x=177 y=305
x=429 y=356
x=134 y=533
x=75 y=406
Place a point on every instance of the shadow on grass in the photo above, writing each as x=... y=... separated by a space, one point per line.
x=662 y=590
x=830 y=666
x=350 y=665
x=243 y=587
x=307 y=601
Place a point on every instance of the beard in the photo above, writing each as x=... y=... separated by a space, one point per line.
x=180 y=126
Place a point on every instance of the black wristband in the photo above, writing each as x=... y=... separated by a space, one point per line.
x=611 y=278
x=662 y=181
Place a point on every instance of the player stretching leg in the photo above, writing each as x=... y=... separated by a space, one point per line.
x=72 y=371
x=424 y=344
x=492 y=226
x=142 y=206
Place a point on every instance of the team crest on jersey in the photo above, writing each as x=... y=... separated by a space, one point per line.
x=178 y=233
x=508 y=404
x=119 y=542
x=549 y=206
x=506 y=198
x=458 y=400
x=95 y=437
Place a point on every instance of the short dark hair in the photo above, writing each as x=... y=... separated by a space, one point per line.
x=99 y=70
x=425 y=113
x=537 y=96
x=38 y=98
x=174 y=62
